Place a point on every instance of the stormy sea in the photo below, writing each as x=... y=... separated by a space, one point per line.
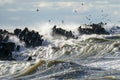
x=86 y=57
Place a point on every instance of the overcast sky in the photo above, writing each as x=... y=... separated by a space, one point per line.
x=23 y=12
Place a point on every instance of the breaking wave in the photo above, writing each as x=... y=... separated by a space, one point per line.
x=86 y=58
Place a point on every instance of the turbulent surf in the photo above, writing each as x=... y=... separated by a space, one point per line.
x=87 y=57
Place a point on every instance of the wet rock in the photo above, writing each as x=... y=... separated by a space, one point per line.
x=93 y=29
x=60 y=31
x=18 y=48
x=6 y=49
x=29 y=58
x=17 y=32
x=31 y=38
x=4 y=35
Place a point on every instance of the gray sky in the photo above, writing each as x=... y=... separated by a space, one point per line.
x=23 y=12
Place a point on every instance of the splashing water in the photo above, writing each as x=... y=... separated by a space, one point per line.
x=86 y=58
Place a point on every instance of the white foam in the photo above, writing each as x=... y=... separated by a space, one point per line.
x=48 y=53
x=16 y=40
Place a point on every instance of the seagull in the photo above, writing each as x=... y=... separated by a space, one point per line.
x=37 y=10
x=88 y=18
x=82 y=4
x=75 y=11
x=49 y=20
x=62 y=21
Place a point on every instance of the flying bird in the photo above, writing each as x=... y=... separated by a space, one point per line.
x=37 y=10
x=49 y=20
x=82 y=4
x=88 y=18
x=62 y=21
x=75 y=11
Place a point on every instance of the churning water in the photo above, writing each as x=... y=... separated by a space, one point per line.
x=90 y=57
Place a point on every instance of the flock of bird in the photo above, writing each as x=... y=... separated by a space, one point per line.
x=104 y=16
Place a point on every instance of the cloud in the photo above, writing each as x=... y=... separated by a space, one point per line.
x=2 y=2
x=45 y=4
x=19 y=9
x=116 y=13
x=15 y=9
x=14 y=18
x=58 y=4
x=65 y=5
x=102 y=2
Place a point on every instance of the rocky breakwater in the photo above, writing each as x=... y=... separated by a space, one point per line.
x=93 y=29
x=31 y=39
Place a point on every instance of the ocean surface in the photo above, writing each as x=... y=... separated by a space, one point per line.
x=90 y=57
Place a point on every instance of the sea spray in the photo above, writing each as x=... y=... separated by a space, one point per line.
x=96 y=51
x=16 y=40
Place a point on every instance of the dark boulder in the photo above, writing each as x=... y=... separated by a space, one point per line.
x=31 y=38
x=60 y=31
x=93 y=29
x=8 y=45
x=4 y=35
x=17 y=32
x=6 y=49
x=29 y=58
x=18 y=48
